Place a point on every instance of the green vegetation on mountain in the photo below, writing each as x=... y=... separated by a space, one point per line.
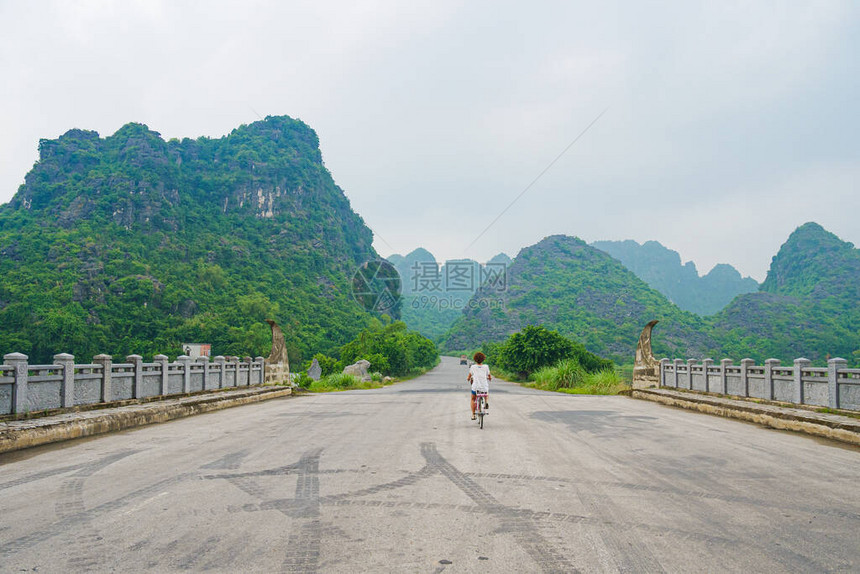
x=661 y=269
x=131 y=244
x=809 y=305
x=586 y=295
x=434 y=293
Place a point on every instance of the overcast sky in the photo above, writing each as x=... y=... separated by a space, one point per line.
x=727 y=124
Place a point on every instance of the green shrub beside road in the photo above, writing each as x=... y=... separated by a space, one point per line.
x=547 y=360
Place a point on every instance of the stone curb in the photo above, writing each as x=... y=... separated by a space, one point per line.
x=20 y=434
x=835 y=427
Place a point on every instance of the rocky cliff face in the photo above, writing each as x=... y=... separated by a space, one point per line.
x=814 y=262
x=130 y=243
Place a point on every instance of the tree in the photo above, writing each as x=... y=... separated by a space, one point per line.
x=536 y=346
x=532 y=348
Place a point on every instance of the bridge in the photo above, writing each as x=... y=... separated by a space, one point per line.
x=400 y=479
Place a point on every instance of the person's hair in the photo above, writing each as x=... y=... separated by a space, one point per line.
x=479 y=357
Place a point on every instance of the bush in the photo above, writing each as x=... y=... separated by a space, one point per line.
x=378 y=362
x=532 y=348
x=536 y=347
x=329 y=365
x=391 y=349
x=303 y=380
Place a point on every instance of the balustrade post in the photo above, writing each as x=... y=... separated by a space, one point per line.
x=67 y=389
x=185 y=361
x=137 y=382
x=250 y=361
x=745 y=376
x=163 y=361
x=664 y=362
x=261 y=363
x=833 y=367
x=220 y=362
x=690 y=364
x=677 y=365
x=106 y=362
x=204 y=360
x=707 y=364
x=799 y=365
x=724 y=378
x=768 y=377
x=18 y=361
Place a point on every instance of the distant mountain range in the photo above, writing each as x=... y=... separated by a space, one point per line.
x=809 y=305
x=132 y=244
x=662 y=270
x=659 y=267
x=563 y=283
x=435 y=293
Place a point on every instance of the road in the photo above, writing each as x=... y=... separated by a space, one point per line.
x=400 y=479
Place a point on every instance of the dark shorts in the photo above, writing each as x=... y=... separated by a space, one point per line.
x=473 y=393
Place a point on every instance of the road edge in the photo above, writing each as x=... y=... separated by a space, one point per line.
x=18 y=435
x=834 y=427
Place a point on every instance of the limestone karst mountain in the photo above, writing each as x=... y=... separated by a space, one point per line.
x=662 y=270
x=582 y=292
x=133 y=244
x=808 y=306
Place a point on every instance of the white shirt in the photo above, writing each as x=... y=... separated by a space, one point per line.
x=480 y=378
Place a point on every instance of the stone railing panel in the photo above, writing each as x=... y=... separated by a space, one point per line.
x=849 y=389
x=25 y=387
x=122 y=381
x=7 y=386
x=150 y=385
x=175 y=379
x=835 y=386
x=88 y=384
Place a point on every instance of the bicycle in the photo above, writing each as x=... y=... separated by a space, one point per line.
x=481 y=408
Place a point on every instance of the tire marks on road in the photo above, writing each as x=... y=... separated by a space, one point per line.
x=87 y=551
x=524 y=530
x=303 y=547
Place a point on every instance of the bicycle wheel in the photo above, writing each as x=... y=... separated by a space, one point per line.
x=481 y=420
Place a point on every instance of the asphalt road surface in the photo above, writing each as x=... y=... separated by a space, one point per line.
x=401 y=480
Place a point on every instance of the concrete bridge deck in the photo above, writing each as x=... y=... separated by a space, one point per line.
x=399 y=479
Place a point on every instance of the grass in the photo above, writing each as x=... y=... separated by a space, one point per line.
x=343 y=382
x=568 y=376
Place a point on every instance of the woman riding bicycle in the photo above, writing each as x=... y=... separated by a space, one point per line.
x=480 y=377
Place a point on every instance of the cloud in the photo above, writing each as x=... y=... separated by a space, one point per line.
x=433 y=115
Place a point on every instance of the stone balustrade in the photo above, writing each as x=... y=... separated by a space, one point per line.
x=27 y=388
x=834 y=386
